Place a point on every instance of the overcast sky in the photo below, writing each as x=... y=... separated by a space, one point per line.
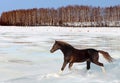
x=7 y=5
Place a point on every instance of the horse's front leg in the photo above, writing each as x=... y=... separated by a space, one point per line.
x=64 y=65
x=70 y=65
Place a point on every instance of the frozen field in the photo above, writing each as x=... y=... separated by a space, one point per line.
x=25 y=56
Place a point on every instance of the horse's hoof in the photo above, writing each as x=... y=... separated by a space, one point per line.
x=70 y=69
x=103 y=69
x=60 y=72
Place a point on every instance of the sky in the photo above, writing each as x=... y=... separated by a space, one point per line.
x=7 y=5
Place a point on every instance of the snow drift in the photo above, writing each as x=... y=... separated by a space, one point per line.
x=25 y=56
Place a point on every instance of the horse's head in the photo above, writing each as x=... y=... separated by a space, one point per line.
x=55 y=47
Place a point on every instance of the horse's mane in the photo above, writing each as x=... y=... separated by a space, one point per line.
x=64 y=44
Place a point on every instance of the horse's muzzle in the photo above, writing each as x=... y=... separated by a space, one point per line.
x=51 y=51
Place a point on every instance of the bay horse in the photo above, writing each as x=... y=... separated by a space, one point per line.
x=73 y=55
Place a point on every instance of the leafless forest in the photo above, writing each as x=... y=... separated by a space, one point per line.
x=86 y=16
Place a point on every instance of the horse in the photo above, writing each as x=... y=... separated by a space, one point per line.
x=73 y=55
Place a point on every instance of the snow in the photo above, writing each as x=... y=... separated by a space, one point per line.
x=25 y=56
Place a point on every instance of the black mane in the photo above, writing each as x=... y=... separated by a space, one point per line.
x=64 y=44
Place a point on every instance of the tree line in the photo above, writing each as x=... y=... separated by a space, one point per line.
x=63 y=16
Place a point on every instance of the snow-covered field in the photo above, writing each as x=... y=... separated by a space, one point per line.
x=25 y=56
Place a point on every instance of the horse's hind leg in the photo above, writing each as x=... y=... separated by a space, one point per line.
x=88 y=65
x=95 y=60
x=100 y=64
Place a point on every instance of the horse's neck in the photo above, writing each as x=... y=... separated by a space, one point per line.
x=66 y=50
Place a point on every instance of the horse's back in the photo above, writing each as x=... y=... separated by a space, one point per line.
x=87 y=51
x=91 y=51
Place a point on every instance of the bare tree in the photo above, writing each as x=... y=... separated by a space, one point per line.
x=63 y=16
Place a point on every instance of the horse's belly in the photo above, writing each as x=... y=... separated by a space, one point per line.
x=81 y=59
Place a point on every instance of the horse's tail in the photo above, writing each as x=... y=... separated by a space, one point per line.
x=106 y=55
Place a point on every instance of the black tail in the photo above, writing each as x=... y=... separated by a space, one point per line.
x=106 y=55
